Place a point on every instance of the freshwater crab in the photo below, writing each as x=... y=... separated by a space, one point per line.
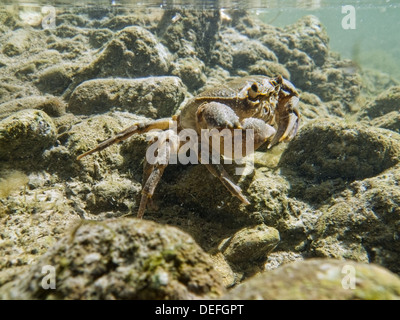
x=266 y=105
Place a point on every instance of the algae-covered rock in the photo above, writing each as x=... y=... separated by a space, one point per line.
x=330 y=152
x=237 y=51
x=386 y=102
x=390 y=121
x=320 y=279
x=16 y=43
x=194 y=32
x=133 y=52
x=53 y=80
x=154 y=97
x=191 y=72
x=121 y=259
x=34 y=214
x=112 y=193
x=250 y=244
x=310 y=36
x=25 y=134
x=53 y=106
x=361 y=223
x=269 y=68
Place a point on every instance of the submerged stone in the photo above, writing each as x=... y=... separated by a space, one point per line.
x=154 y=97
x=121 y=259
x=321 y=279
x=25 y=134
x=332 y=149
x=250 y=244
x=388 y=101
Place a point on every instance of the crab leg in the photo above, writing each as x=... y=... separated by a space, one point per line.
x=152 y=173
x=217 y=170
x=149 y=187
x=139 y=128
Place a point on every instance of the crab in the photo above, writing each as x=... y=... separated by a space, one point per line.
x=267 y=106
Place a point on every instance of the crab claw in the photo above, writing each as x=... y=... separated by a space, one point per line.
x=288 y=120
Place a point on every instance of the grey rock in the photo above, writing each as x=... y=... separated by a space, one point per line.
x=16 y=43
x=249 y=244
x=154 y=97
x=26 y=134
x=53 y=106
x=303 y=50
x=330 y=152
x=269 y=68
x=390 y=121
x=191 y=72
x=194 y=33
x=375 y=81
x=53 y=80
x=134 y=51
x=310 y=36
x=136 y=18
x=99 y=37
x=121 y=259
x=361 y=222
x=320 y=279
x=387 y=101
x=237 y=45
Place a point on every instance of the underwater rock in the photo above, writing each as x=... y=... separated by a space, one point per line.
x=269 y=68
x=189 y=32
x=11 y=181
x=303 y=50
x=375 y=81
x=26 y=134
x=327 y=153
x=53 y=80
x=86 y=134
x=119 y=22
x=312 y=107
x=386 y=102
x=224 y=270
x=361 y=223
x=390 y=121
x=320 y=279
x=70 y=19
x=134 y=52
x=121 y=259
x=237 y=46
x=190 y=71
x=99 y=37
x=53 y=106
x=112 y=193
x=249 y=244
x=154 y=97
x=310 y=36
x=278 y=258
x=33 y=215
x=16 y=43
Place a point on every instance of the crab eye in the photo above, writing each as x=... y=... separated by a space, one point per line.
x=253 y=91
